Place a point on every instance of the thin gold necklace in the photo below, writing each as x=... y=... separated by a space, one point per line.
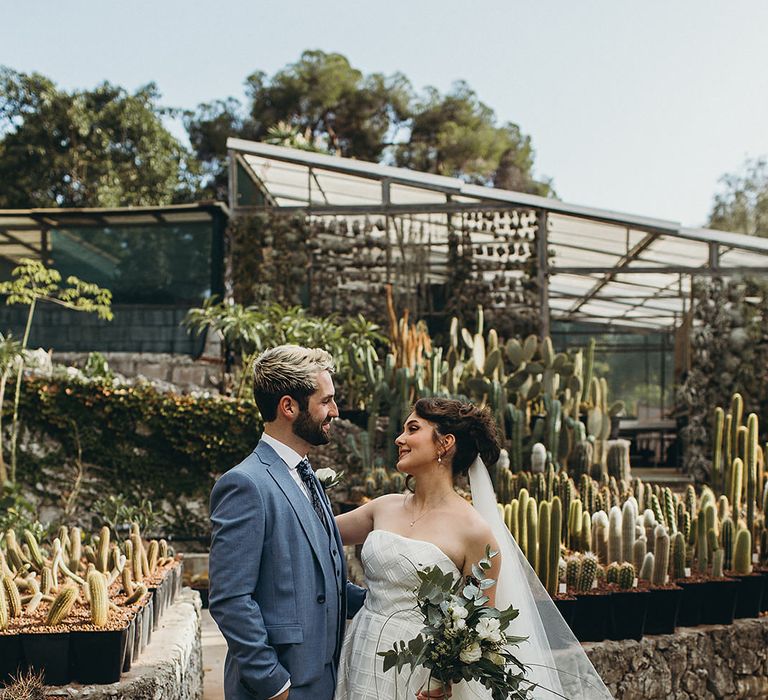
x=414 y=521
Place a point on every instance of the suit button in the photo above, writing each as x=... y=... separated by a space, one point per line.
x=321 y=599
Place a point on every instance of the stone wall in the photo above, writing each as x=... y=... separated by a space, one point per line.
x=696 y=663
x=181 y=371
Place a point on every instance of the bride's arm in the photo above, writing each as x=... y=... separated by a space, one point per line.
x=480 y=538
x=355 y=526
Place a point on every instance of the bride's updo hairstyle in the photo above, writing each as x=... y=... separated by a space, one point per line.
x=473 y=428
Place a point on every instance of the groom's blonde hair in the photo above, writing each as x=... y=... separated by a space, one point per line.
x=287 y=370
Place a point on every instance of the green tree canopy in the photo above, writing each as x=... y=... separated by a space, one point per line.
x=102 y=147
x=323 y=103
x=741 y=205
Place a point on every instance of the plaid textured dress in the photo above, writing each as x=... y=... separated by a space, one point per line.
x=389 y=615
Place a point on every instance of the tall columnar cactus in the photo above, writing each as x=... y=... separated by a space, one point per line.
x=717 y=564
x=626 y=576
x=670 y=515
x=639 y=550
x=4 y=614
x=751 y=470
x=728 y=451
x=628 y=520
x=649 y=525
x=102 y=552
x=586 y=532
x=553 y=552
x=661 y=556
x=587 y=572
x=62 y=605
x=600 y=536
x=99 y=598
x=734 y=490
x=742 y=552
x=532 y=531
x=522 y=520
x=542 y=561
x=702 y=544
x=614 y=535
x=657 y=512
x=573 y=538
x=737 y=413
x=678 y=556
x=717 y=448
x=514 y=519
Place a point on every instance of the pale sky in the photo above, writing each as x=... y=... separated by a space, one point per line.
x=638 y=107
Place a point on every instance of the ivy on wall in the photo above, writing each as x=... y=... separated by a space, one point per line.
x=133 y=440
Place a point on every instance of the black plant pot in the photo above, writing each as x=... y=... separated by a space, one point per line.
x=137 y=634
x=11 y=657
x=750 y=598
x=98 y=657
x=567 y=608
x=49 y=653
x=694 y=596
x=628 y=610
x=719 y=602
x=662 y=609
x=764 y=574
x=129 y=645
x=591 y=619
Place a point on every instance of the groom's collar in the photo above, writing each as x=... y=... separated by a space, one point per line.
x=287 y=454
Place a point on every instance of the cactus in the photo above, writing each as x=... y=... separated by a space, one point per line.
x=669 y=510
x=600 y=528
x=657 y=512
x=742 y=552
x=573 y=538
x=572 y=567
x=538 y=458
x=99 y=598
x=639 y=550
x=717 y=448
x=614 y=535
x=647 y=568
x=717 y=564
x=4 y=614
x=661 y=556
x=522 y=522
x=46 y=580
x=587 y=572
x=542 y=560
x=612 y=572
x=139 y=592
x=628 y=520
x=514 y=521
x=75 y=550
x=34 y=551
x=127 y=580
x=62 y=605
x=555 y=527
x=102 y=553
x=617 y=460
x=532 y=533
x=702 y=544
x=153 y=555
x=626 y=578
x=734 y=490
x=750 y=468
x=12 y=596
x=764 y=547
x=580 y=461
x=678 y=556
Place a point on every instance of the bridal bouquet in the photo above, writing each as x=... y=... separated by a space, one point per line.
x=462 y=638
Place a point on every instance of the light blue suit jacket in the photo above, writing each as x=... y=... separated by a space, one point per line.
x=278 y=588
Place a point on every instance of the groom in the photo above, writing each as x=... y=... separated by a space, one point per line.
x=277 y=573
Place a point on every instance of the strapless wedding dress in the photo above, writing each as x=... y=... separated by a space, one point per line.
x=390 y=562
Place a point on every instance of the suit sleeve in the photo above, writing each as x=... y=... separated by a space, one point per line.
x=238 y=521
x=355 y=599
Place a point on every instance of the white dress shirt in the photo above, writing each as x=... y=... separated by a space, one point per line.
x=292 y=459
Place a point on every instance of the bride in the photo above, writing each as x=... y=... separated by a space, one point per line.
x=432 y=525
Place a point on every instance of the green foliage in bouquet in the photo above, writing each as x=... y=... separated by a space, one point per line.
x=463 y=638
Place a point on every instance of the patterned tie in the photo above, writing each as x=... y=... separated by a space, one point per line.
x=305 y=472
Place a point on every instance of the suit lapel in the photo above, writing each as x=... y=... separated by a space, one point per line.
x=298 y=502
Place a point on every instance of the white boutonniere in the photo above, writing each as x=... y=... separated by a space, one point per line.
x=329 y=478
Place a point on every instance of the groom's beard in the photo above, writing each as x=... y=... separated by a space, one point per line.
x=310 y=430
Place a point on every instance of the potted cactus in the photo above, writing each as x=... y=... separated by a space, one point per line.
x=750 y=596
x=80 y=613
x=663 y=596
x=628 y=605
x=592 y=616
